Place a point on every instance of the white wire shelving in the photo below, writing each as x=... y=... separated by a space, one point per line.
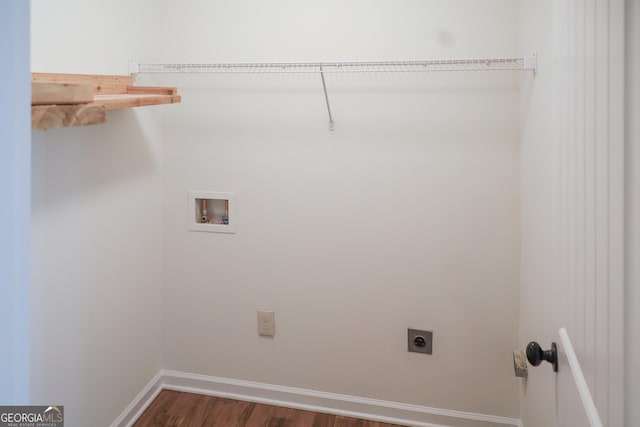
x=477 y=64
x=523 y=63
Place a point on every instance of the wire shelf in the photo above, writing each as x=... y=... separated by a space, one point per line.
x=481 y=64
x=322 y=68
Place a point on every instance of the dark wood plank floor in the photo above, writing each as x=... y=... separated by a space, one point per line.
x=173 y=409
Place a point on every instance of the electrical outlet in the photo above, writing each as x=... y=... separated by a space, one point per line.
x=266 y=323
x=420 y=341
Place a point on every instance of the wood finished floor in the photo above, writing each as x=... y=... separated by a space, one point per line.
x=173 y=409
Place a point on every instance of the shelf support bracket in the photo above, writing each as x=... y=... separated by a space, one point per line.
x=326 y=98
x=134 y=68
x=531 y=63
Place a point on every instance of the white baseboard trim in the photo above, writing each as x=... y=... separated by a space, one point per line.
x=311 y=400
x=141 y=402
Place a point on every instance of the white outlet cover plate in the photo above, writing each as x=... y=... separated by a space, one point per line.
x=212 y=228
x=266 y=322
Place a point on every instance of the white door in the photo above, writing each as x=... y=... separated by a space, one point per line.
x=572 y=211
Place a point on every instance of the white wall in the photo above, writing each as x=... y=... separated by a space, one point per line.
x=15 y=161
x=97 y=223
x=632 y=298
x=406 y=216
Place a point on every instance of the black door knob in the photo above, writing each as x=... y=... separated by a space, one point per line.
x=535 y=354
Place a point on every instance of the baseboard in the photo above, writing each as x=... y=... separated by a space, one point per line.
x=311 y=400
x=141 y=402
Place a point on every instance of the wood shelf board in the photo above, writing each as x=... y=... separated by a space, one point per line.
x=102 y=84
x=60 y=93
x=153 y=90
x=94 y=94
x=58 y=116
x=113 y=102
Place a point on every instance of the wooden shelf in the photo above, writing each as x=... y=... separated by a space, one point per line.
x=64 y=100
